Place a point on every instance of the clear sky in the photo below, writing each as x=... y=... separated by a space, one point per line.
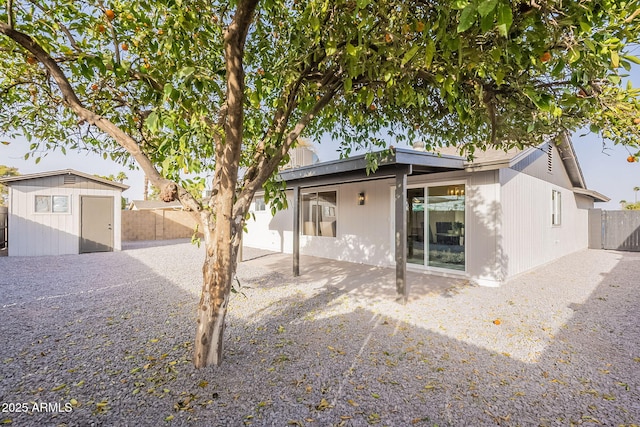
x=605 y=168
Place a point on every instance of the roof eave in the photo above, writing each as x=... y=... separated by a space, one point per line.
x=399 y=156
x=597 y=197
x=570 y=160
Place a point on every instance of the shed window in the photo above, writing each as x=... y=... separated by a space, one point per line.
x=60 y=203
x=556 y=207
x=55 y=204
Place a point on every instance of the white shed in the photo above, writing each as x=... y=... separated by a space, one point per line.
x=63 y=212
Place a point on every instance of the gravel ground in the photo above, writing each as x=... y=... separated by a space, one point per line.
x=105 y=339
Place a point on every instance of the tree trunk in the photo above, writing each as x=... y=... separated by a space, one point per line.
x=221 y=244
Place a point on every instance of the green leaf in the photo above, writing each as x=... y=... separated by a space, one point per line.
x=410 y=54
x=152 y=121
x=186 y=72
x=347 y=84
x=315 y=23
x=632 y=58
x=615 y=59
x=331 y=48
x=486 y=7
x=505 y=19
x=430 y=51
x=351 y=49
x=459 y=4
x=467 y=18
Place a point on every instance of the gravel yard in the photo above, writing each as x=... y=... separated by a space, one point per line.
x=105 y=339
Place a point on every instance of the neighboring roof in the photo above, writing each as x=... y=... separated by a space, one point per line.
x=11 y=179
x=154 y=204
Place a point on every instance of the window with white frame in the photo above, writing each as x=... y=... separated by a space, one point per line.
x=556 y=207
x=52 y=204
x=318 y=214
x=259 y=204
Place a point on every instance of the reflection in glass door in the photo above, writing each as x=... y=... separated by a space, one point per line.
x=415 y=226
x=446 y=223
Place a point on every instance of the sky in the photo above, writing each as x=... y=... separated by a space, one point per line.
x=605 y=168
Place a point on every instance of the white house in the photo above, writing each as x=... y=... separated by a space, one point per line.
x=486 y=220
x=63 y=212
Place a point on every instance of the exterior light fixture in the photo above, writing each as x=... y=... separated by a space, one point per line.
x=361 y=198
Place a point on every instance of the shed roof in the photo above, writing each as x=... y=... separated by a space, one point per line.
x=11 y=179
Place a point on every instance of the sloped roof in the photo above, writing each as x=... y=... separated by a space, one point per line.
x=11 y=179
x=494 y=158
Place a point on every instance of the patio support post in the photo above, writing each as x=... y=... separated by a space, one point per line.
x=401 y=232
x=296 y=231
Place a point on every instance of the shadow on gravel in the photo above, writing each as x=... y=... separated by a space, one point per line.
x=117 y=347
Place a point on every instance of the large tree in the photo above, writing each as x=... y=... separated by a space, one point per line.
x=228 y=87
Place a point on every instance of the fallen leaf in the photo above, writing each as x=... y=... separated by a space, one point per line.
x=203 y=384
x=324 y=404
x=59 y=387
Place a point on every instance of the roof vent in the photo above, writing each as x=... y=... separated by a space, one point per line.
x=69 y=179
x=549 y=157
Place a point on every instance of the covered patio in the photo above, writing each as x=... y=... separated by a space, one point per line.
x=397 y=164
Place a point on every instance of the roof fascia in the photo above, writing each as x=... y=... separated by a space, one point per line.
x=11 y=179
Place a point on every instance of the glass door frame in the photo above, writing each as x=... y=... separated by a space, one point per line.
x=425 y=186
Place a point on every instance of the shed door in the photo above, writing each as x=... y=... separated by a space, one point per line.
x=96 y=224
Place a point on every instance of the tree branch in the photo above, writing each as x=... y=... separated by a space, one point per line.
x=266 y=166
x=123 y=139
x=10 y=13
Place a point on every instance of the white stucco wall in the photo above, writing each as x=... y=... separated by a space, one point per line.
x=36 y=234
x=365 y=232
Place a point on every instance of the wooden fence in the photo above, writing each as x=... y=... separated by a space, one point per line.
x=617 y=230
x=157 y=224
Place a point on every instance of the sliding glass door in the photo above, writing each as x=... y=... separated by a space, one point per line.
x=415 y=226
x=436 y=226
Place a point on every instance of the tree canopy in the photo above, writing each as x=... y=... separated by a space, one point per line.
x=227 y=88
x=4 y=172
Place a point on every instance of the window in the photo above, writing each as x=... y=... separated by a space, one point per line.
x=556 y=207
x=259 y=205
x=318 y=214
x=55 y=204
x=60 y=203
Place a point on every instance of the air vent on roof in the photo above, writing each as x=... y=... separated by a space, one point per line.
x=69 y=179
x=549 y=157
